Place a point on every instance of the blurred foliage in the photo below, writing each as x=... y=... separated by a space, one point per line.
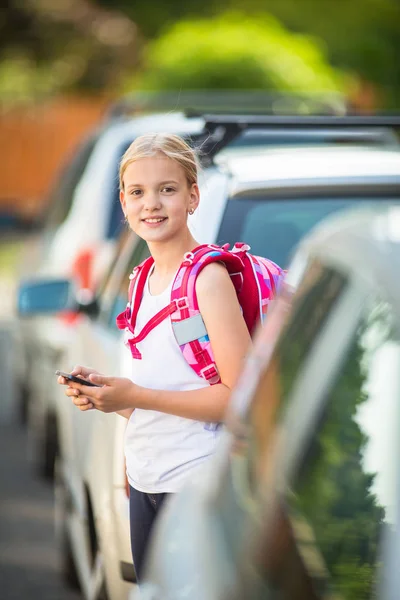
x=204 y=54
x=50 y=46
x=47 y=47
x=361 y=36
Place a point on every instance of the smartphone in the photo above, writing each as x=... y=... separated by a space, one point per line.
x=76 y=379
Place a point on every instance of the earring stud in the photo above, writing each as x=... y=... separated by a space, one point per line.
x=191 y=211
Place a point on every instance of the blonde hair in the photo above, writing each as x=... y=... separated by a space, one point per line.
x=173 y=146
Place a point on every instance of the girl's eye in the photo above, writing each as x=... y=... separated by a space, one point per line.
x=135 y=192
x=168 y=190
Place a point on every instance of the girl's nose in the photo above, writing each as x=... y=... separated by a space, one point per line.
x=152 y=201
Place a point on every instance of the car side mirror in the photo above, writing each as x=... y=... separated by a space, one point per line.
x=46 y=296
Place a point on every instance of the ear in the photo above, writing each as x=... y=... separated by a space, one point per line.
x=122 y=200
x=194 y=197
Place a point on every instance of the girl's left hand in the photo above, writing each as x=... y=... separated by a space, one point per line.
x=116 y=393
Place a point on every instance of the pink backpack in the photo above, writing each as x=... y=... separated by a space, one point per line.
x=256 y=281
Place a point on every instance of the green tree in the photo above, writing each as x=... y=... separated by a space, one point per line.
x=233 y=51
x=361 y=37
x=48 y=47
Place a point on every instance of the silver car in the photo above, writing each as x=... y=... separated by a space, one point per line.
x=302 y=501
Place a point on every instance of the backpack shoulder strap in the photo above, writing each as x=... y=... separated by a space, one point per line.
x=138 y=280
x=138 y=277
x=184 y=285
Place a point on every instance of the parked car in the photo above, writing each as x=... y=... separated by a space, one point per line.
x=268 y=198
x=301 y=500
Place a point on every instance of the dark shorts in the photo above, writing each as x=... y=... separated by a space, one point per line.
x=143 y=510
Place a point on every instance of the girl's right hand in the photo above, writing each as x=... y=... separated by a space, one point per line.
x=82 y=402
x=78 y=371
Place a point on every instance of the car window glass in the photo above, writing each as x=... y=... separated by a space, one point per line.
x=273 y=227
x=120 y=300
x=342 y=498
x=253 y=426
x=106 y=287
x=116 y=216
x=62 y=190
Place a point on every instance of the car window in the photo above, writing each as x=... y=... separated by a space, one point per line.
x=342 y=498
x=120 y=298
x=253 y=426
x=273 y=227
x=116 y=216
x=62 y=190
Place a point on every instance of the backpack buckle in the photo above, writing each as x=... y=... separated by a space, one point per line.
x=182 y=303
x=188 y=259
x=134 y=273
x=209 y=372
x=240 y=247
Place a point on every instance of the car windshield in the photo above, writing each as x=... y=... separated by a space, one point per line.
x=273 y=227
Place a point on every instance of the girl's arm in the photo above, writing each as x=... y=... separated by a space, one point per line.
x=230 y=341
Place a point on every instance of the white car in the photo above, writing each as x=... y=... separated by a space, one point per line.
x=269 y=198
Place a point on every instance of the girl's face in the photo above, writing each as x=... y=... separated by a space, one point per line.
x=156 y=198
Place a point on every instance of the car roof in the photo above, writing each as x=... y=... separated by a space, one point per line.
x=260 y=167
x=124 y=129
x=363 y=242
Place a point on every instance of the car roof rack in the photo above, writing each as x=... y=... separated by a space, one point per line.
x=228 y=113
x=221 y=130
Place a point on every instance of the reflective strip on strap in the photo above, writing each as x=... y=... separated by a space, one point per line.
x=189 y=329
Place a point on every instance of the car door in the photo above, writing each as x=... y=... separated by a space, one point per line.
x=323 y=469
x=100 y=345
x=213 y=524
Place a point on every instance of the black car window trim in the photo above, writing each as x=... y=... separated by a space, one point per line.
x=339 y=188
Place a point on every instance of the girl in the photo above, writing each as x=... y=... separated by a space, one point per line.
x=166 y=403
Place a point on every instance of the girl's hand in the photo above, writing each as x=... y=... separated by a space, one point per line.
x=116 y=393
x=78 y=371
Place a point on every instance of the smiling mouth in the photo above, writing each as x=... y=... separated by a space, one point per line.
x=155 y=220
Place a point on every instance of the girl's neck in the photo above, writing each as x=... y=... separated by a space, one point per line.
x=168 y=256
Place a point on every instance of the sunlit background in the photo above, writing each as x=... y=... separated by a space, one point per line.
x=62 y=63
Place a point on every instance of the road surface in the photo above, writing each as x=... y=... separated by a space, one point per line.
x=28 y=551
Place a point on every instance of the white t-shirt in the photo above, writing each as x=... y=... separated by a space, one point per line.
x=162 y=451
